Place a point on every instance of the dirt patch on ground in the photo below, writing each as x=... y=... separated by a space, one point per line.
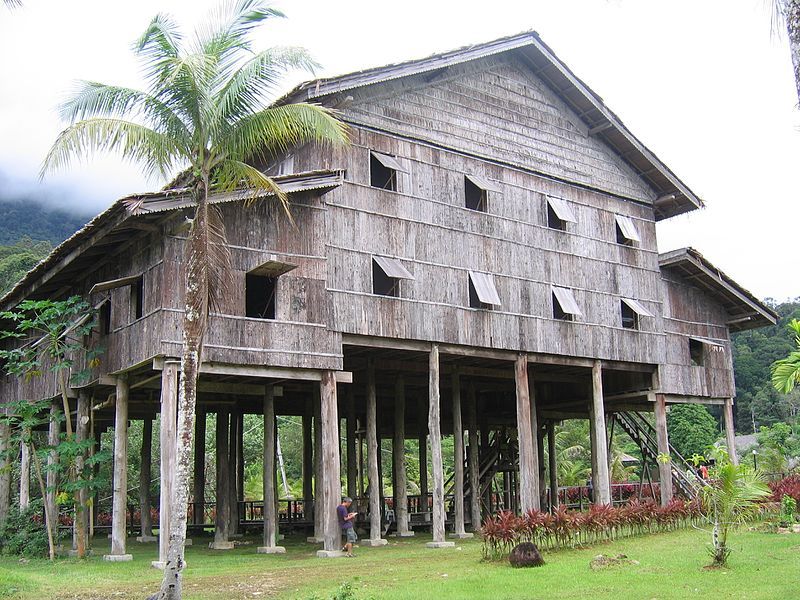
x=603 y=561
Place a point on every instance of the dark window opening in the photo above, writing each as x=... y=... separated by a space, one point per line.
x=696 y=352
x=381 y=176
x=137 y=299
x=260 y=296
x=630 y=320
x=621 y=238
x=558 y=312
x=104 y=318
x=474 y=299
x=475 y=197
x=553 y=222
x=382 y=284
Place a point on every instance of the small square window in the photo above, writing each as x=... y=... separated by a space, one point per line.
x=383 y=171
x=627 y=235
x=475 y=198
x=565 y=308
x=630 y=320
x=260 y=296
x=697 y=352
x=559 y=214
x=482 y=291
x=382 y=284
x=386 y=276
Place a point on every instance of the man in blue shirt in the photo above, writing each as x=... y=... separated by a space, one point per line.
x=346 y=519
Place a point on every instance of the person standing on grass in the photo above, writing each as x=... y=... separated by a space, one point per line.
x=346 y=519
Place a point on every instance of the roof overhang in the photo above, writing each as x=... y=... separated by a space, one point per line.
x=745 y=310
x=123 y=222
x=672 y=196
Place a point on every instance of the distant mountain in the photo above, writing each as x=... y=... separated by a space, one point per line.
x=26 y=217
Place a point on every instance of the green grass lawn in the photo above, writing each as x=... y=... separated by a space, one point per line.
x=762 y=565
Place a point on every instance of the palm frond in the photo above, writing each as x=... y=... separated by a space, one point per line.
x=227 y=27
x=277 y=129
x=156 y=152
x=247 y=89
x=786 y=371
x=158 y=45
x=93 y=99
x=233 y=174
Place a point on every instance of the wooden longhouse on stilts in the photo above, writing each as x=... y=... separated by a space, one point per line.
x=483 y=257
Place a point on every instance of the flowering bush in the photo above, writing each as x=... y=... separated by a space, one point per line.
x=566 y=528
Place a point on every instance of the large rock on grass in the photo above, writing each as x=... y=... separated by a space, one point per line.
x=525 y=554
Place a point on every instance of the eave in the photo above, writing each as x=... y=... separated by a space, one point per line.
x=745 y=310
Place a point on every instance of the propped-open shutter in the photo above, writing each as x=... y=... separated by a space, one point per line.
x=390 y=162
x=627 y=228
x=392 y=267
x=566 y=301
x=483 y=183
x=485 y=288
x=562 y=209
x=636 y=307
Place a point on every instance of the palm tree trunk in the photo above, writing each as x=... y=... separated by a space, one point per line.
x=792 y=16
x=194 y=326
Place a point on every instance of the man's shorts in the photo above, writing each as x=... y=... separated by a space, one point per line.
x=350 y=532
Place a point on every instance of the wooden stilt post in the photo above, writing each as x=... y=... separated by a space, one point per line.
x=199 y=481
x=319 y=508
x=169 y=447
x=552 y=464
x=662 y=439
x=601 y=481
x=435 y=434
x=458 y=462
x=730 y=434
x=360 y=462
x=270 y=514
x=24 y=476
x=399 y=459
x=239 y=470
x=331 y=486
x=222 y=516
x=422 y=418
x=528 y=463
x=146 y=455
x=352 y=465
x=119 y=522
x=308 y=461
x=542 y=487
x=373 y=456
x=474 y=460
x=233 y=471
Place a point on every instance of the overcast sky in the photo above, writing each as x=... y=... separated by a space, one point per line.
x=707 y=85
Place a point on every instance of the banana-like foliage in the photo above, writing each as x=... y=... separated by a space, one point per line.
x=204 y=115
x=786 y=371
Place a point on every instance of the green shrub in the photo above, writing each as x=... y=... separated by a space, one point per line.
x=24 y=533
x=788 y=509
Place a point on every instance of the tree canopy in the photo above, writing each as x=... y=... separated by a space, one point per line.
x=691 y=429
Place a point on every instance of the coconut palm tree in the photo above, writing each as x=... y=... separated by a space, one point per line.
x=729 y=500
x=202 y=115
x=788 y=12
x=786 y=371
